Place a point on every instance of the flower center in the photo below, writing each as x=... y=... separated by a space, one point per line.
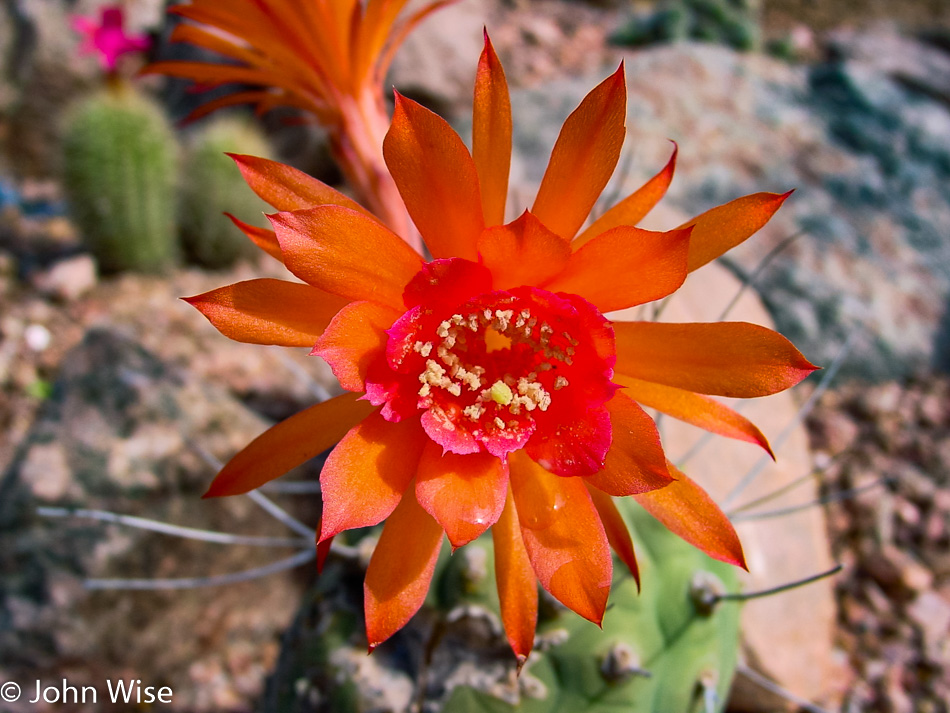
x=491 y=372
x=480 y=352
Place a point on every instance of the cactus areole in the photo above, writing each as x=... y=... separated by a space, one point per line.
x=488 y=389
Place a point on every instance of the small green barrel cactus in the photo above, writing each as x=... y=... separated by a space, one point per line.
x=212 y=185
x=735 y=23
x=120 y=167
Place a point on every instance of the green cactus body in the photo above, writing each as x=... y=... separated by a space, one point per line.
x=735 y=23
x=659 y=651
x=212 y=185
x=120 y=157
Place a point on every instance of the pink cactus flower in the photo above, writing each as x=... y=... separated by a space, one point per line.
x=107 y=38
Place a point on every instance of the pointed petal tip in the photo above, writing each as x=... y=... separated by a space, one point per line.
x=522 y=659
x=739 y=561
x=212 y=492
x=735 y=557
x=488 y=50
x=619 y=77
x=372 y=647
x=275 y=219
x=323 y=552
x=240 y=158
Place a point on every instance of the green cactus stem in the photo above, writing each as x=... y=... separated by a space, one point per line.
x=667 y=649
x=212 y=186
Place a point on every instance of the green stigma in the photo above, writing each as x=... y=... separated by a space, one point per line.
x=501 y=393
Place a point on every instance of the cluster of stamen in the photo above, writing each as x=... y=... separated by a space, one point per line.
x=469 y=337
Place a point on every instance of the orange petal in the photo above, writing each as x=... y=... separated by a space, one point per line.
x=464 y=493
x=634 y=208
x=286 y=188
x=213 y=74
x=354 y=339
x=290 y=443
x=366 y=474
x=517 y=585
x=722 y=228
x=491 y=134
x=193 y=34
x=399 y=573
x=584 y=157
x=523 y=252
x=263 y=238
x=346 y=253
x=688 y=511
x=696 y=409
x=563 y=536
x=625 y=267
x=617 y=533
x=635 y=462
x=723 y=358
x=323 y=551
x=268 y=311
x=437 y=179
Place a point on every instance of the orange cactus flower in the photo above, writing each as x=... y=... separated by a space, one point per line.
x=495 y=393
x=325 y=57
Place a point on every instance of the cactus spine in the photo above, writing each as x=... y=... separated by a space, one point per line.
x=119 y=174
x=212 y=185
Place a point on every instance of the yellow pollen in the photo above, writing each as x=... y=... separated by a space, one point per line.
x=501 y=393
x=499 y=422
x=559 y=383
x=474 y=412
x=423 y=348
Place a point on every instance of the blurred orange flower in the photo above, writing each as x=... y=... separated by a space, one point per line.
x=325 y=57
x=495 y=393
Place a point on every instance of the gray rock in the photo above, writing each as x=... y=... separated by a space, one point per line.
x=921 y=66
x=115 y=436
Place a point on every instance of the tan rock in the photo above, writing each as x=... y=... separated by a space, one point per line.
x=46 y=472
x=68 y=279
x=787 y=637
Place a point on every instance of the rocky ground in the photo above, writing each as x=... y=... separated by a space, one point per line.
x=862 y=129
x=886 y=450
